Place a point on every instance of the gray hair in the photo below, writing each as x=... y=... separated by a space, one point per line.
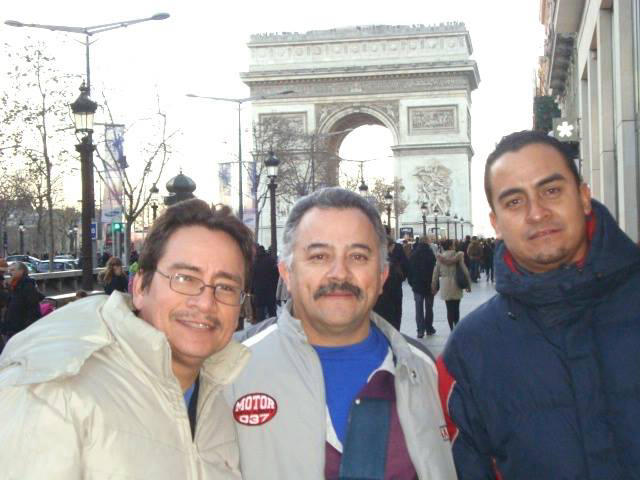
x=326 y=198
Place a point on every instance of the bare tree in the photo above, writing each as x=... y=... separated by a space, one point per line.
x=135 y=183
x=34 y=110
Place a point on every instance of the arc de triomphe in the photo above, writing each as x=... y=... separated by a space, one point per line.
x=414 y=80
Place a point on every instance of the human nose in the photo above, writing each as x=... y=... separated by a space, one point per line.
x=537 y=211
x=205 y=301
x=338 y=269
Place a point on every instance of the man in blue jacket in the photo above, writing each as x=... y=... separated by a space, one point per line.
x=543 y=380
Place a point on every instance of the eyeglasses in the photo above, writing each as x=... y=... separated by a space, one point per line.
x=193 y=286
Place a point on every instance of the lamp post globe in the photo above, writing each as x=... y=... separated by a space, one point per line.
x=363 y=188
x=271 y=163
x=448 y=222
x=83 y=109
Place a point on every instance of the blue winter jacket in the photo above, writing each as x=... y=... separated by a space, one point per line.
x=543 y=380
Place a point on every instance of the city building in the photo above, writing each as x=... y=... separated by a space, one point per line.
x=591 y=67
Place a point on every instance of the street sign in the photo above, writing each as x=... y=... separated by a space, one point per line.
x=94 y=231
x=566 y=129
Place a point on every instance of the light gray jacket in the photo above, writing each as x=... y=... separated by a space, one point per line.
x=291 y=445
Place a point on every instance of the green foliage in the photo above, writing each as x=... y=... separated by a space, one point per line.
x=545 y=110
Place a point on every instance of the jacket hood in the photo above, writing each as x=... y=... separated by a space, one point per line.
x=58 y=345
x=448 y=257
x=612 y=257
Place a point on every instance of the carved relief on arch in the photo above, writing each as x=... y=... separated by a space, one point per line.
x=434 y=187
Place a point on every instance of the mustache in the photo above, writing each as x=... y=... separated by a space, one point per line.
x=342 y=286
x=208 y=319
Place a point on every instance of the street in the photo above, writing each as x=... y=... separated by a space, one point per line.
x=480 y=293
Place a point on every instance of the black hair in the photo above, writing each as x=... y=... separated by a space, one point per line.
x=518 y=140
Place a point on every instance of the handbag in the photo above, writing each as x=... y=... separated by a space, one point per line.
x=461 y=278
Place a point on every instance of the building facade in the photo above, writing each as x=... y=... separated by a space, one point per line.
x=591 y=66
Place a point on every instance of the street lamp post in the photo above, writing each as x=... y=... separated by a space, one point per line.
x=21 y=231
x=462 y=228
x=448 y=221
x=83 y=110
x=272 y=163
x=455 y=225
x=436 y=211
x=154 y=200
x=424 y=209
x=388 y=201
x=240 y=101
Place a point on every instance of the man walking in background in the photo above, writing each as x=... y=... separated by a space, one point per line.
x=421 y=265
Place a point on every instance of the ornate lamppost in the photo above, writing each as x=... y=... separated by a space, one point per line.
x=436 y=211
x=388 y=201
x=154 y=200
x=425 y=210
x=455 y=225
x=448 y=221
x=363 y=188
x=272 y=163
x=462 y=228
x=21 y=232
x=83 y=111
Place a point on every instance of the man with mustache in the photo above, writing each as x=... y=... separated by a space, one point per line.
x=543 y=381
x=122 y=387
x=332 y=390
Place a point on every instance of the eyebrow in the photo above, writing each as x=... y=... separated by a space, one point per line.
x=362 y=246
x=551 y=178
x=196 y=269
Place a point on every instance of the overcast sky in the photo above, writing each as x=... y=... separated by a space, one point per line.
x=202 y=49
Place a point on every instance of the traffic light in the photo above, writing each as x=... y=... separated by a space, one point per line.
x=116 y=227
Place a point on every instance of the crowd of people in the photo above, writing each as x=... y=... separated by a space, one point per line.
x=540 y=382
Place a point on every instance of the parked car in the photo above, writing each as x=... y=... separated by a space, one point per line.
x=58 y=266
x=30 y=266
x=23 y=258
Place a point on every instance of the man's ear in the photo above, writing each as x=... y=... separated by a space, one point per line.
x=494 y=224
x=585 y=198
x=284 y=273
x=383 y=277
x=137 y=292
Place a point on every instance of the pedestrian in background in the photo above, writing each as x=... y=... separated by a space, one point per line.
x=444 y=277
x=113 y=277
x=23 y=307
x=264 y=284
x=421 y=265
x=474 y=251
x=389 y=303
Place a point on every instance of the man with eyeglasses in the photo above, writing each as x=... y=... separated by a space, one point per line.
x=124 y=386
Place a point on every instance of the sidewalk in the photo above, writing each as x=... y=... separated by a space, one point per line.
x=480 y=293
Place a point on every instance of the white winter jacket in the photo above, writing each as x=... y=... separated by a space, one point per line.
x=88 y=392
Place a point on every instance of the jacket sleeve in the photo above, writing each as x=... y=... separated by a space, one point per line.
x=37 y=438
x=469 y=440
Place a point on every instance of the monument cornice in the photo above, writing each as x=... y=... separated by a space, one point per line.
x=357 y=32
x=443 y=148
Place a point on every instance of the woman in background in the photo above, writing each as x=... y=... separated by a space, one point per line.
x=113 y=277
x=444 y=275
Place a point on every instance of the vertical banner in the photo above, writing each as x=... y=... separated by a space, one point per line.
x=114 y=159
x=251 y=201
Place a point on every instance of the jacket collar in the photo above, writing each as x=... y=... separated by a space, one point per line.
x=149 y=348
x=292 y=327
x=562 y=293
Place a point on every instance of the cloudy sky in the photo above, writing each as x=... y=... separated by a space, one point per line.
x=202 y=49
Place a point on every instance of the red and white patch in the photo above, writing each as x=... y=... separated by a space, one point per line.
x=255 y=409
